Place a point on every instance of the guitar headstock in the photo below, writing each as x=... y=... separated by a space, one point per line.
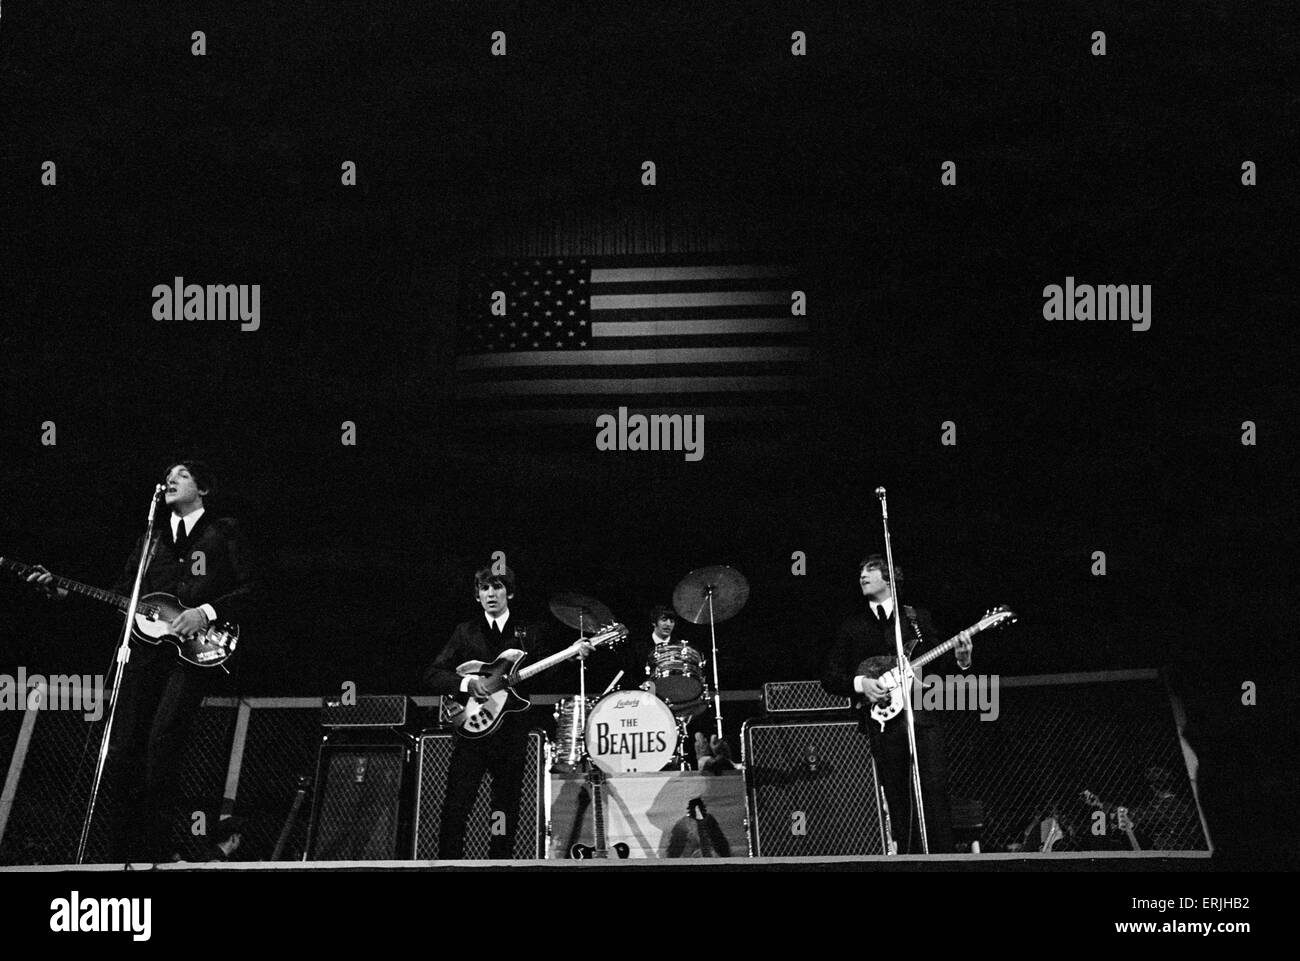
x=999 y=616
x=611 y=635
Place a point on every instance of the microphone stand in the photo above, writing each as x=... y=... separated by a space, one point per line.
x=123 y=655
x=903 y=676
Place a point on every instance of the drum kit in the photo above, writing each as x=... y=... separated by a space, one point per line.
x=644 y=729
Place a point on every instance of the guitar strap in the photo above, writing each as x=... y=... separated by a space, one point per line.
x=910 y=611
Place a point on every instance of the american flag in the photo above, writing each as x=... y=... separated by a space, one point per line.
x=583 y=336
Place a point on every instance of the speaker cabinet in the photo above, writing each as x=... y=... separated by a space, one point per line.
x=812 y=789
x=433 y=760
x=359 y=811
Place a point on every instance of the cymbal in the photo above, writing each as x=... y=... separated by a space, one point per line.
x=729 y=588
x=579 y=611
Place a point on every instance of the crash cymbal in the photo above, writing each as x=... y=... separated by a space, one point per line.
x=579 y=611
x=729 y=588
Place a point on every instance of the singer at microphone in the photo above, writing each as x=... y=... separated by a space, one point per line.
x=203 y=560
x=870 y=632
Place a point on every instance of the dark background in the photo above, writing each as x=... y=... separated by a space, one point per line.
x=925 y=306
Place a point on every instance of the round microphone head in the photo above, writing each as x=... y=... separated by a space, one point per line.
x=880 y=492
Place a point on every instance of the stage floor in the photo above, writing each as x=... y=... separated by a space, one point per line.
x=1122 y=861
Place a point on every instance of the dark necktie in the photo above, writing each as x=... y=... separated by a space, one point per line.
x=880 y=615
x=496 y=633
x=178 y=539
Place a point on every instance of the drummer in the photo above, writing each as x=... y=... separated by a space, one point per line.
x=662 y=621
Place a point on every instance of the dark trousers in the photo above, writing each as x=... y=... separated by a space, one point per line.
x=500 y=754
x=155 y=713
x=893 y=765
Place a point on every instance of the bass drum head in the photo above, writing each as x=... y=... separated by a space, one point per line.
x=630 y=731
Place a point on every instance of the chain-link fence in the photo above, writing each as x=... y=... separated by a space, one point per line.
x=1060 y=760
x=1053 y=740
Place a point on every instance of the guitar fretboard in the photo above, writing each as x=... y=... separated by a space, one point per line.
x=949 y=644
x=548 y=662
x=67 y=584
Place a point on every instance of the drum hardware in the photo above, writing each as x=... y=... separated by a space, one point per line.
x=577 y=611
x=568 y=749
x=714 y=594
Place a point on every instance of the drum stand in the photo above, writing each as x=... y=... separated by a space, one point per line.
x=578 y=733
x=717 y=687
x=680 y=757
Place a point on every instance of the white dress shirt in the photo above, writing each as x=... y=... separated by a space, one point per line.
x=500 y=622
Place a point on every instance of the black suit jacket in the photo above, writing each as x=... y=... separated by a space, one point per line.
x=861 y=636
x=470 y=641
x=227 y=581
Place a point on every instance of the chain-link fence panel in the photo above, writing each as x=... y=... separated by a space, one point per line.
x=11 y=722
x=201 y=779
x=280 y=749
x=54 y=788
x=1060 y=761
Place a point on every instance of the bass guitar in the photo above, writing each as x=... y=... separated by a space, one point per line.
x=481 y=716
x=210 y=647
x=885 y=669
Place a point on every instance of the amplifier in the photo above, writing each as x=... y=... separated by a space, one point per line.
x=359 y=813
x=812 y=789
x=801 y=697
x=373 y=710
x=434 y=758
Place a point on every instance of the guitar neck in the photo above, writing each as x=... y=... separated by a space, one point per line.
x=67 y=584
x=547 y=663
x=943 y=648
x=598 y=811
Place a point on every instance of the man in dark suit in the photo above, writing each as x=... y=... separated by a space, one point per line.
x=869 y=633
x=204 y=561
x=500 y=753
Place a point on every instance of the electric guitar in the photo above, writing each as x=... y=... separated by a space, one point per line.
x=582 y=852
x=712 y=843
x=210 y=647
x=480 y=716
x=885 y=669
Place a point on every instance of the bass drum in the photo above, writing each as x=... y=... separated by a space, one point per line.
x=631 y=731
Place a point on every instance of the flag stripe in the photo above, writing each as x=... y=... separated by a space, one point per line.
x=651 y=301
x=701 y=326
x=490 y=375
x=629 y=385
x=571 y=415
x=698 y=272
x=688 y=355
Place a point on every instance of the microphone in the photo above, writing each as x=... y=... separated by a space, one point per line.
x=880 y=492
x=159 y=489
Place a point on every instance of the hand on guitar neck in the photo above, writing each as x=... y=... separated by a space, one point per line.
x=43 y=580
